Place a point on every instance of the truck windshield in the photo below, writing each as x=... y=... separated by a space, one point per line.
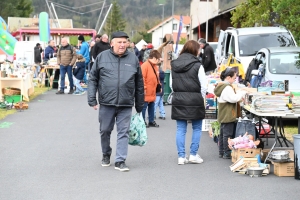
x=285 y=63
x=250 y=44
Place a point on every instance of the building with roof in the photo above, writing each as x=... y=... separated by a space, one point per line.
x=165 y=27
x=213 y=13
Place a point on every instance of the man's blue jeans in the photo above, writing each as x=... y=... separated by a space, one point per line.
x=63 y=71
x=159 y=103
x=180 y=137
x=150 y=106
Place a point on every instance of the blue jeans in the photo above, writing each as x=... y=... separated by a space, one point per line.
x=77 y=85
x=180 y=137
x=150 y=106
x=108 y=116
x=63 y=71
x=159 y=103
x=85 y=78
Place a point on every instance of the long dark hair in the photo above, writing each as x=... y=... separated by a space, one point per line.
x=191 y=47
x=227 y=72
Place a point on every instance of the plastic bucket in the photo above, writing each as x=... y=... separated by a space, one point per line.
x=297 y=155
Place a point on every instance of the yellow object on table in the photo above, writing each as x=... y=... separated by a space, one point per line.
x=231 y=62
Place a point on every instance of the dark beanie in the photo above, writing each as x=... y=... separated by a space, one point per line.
x=80 y=37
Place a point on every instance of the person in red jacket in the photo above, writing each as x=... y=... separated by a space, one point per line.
x=150 y=73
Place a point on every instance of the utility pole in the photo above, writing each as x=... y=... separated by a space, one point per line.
x=206 y=34
x=105 y=18
x=100 y=15
x=172 y=17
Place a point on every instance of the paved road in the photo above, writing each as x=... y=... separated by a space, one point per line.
x=52 y=151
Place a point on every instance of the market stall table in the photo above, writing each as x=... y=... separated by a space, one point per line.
x=276 y=116
x=25 y=84
x=47 y=68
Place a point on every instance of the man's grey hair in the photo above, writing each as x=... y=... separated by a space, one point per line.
x=202 y=41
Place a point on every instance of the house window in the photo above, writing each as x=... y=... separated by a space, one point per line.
x=174 y=27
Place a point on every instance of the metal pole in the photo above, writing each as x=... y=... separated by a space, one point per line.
x=50 y=12
x=55 y=15
x=162 y=26
x=105 y=18
x=100 y=15
x=172 y=17
x=206 y=34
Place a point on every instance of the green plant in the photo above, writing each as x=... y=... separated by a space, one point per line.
x=216 y=128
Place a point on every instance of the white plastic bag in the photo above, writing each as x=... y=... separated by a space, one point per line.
x=137 y=131
x=169 y=100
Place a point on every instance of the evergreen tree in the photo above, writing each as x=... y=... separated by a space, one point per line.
x=18 y=8
x=115 y=21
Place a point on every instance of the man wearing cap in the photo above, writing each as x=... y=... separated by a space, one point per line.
x=147 y=52
x=117 y=78
x=208 y=56
x=84 y=51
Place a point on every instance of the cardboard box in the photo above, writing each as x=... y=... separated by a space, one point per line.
x=245 y=153
x=284 y=169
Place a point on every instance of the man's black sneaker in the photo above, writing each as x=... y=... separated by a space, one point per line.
x=162 y=118
x=147 y=126
x=226 y=156
x=60 y=92
x=153 y=124
x=105 y=161
x=121 y=166
x=71 y=92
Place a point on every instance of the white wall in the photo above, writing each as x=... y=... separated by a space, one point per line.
x=198 y=11
x=158 y=34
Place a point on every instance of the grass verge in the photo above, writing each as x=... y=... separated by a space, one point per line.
x=37 y=92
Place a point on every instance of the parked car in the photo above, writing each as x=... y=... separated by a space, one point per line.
x=279 y=64
x=244 y=43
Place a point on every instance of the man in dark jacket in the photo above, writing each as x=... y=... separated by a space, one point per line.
x=142 y=51
x=117 y=78
x=37 y=58
x=100 y=46
x=208 y=56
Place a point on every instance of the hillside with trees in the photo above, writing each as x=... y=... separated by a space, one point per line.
x=138 y=15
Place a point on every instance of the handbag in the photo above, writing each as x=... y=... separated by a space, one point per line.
x=158 y=86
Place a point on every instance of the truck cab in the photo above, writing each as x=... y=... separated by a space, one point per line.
x=244 y=43
x=279 y=64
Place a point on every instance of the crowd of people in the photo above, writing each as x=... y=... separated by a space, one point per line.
x=119 y=76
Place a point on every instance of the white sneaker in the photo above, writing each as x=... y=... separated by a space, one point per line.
x=182 y=161
x=195 y=159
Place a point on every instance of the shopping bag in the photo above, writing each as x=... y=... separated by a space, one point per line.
x=170 y=97
x=137 y=131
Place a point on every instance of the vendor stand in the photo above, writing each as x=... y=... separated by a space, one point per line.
x=21 y=78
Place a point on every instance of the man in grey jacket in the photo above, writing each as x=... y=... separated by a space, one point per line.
x=116 y=76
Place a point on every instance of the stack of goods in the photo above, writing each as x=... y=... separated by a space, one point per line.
x=296 y=104
x=271 y=104
x=52 y=61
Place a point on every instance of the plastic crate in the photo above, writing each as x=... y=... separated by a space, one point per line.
x=13 y=98
x=210 y=114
